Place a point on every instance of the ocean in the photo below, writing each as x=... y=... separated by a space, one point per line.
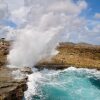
x=67 y=84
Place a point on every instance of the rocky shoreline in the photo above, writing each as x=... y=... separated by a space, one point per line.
x=10 y=88
x=79 y=55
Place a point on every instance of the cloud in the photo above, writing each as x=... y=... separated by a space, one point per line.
x=19 y=12
x=97 y=28
x=18 y=15
x=91 y=33
x=69 y=6
x=97 y=16
x=14 y=4
x=82 y=4
x=3 y=10
x=4 y=14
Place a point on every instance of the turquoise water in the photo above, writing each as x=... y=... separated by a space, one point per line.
x=69 y=84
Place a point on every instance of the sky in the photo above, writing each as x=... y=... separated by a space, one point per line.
x=85 y=26
x=94 y=6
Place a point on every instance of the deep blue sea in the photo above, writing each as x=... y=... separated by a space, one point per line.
x=68 y=84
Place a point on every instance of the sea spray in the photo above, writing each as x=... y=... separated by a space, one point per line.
x=44 y=24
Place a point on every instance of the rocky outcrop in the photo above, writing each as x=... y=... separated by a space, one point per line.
x=10 y=88
x=80 y=55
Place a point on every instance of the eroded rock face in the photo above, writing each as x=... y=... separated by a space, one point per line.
x=10 y=88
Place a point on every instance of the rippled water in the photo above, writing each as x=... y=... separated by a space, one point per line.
x=68 y=84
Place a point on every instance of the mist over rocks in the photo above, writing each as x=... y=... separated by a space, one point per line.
x=42 y=29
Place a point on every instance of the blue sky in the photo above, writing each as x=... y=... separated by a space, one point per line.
x=89 y=14
x=8 y=23
x=93 y=7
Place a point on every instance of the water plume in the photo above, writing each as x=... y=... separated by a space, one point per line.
x=38 y=35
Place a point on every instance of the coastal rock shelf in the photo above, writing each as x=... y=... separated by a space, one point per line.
x=10 y=88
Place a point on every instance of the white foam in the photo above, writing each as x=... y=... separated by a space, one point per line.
x=32 y=85
x=18 y=75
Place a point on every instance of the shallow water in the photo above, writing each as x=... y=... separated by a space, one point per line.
x=68 y=84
